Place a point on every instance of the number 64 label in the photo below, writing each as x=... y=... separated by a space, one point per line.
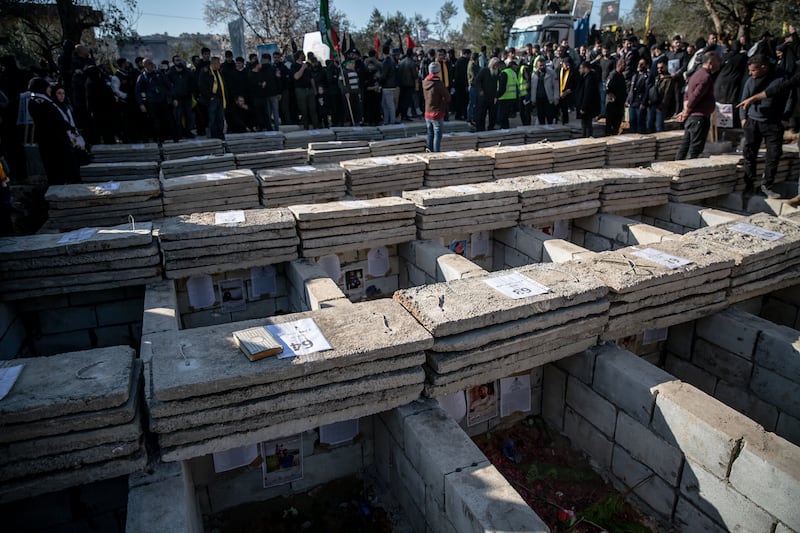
x=300 y=337
x=516 y=286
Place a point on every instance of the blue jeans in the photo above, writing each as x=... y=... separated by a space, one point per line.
x=387 y=106
x=473 y=103
x=638 y=119
x=274 y=112
x=216 y=119
x=603 y=99
x=434 y=133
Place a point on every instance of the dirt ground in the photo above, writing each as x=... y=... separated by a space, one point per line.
x=557 y=481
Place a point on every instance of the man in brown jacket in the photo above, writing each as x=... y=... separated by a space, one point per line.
x=436 y=99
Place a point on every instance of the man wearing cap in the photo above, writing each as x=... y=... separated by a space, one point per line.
x=436 y=99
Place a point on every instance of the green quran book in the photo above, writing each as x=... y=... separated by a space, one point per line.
x=257 y=343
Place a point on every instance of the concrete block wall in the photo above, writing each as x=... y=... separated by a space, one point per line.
x=426 y=262
x=782 y=307
x=379 y=286
x=678 y=453
x=310 y=287
x=606 y=231
x=263 y=306
x=682 y=218
x=217 y=492
x=441 y=479
x=51 y=325
x=524 y=245
x=746 y=362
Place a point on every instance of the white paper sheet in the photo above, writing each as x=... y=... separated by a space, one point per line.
x=463 y=188
x=755 y=231
x=338 y=432
x=332 y=266
x=79 y=235
x=304 y=168
x=382 y=161
x=107 y=187
x=8 y=376
x=515 y=394
x=551 y=178
x=229 y=217
x=299 y=337
x=479 y=244
x=378 y=262
x=662 y=258
x=455 y=405
x=516 y=286
x=235 y=458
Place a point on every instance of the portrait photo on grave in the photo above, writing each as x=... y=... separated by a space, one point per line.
x=481 y=403
x=231 y=294
x=354 y=280
x=283 y=460
x=459 y=247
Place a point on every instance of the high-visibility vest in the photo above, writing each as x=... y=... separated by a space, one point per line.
x=524 y=84
x=512 y=86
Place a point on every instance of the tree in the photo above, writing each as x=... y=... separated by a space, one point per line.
x=495 y=18
x=276 y=21
x=37 y=28
x=443 y=18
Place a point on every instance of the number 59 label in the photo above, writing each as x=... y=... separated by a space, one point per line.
x=516 y=286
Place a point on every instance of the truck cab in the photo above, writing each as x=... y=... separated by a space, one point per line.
x=542 y=29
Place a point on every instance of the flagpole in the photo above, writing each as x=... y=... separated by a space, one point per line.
x=346 y=84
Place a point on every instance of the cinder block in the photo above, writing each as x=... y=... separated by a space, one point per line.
x=385 y=450
x=748 y=404
x=321 y=290
x=554 y=388
x=589 y=224
x=560 y=251
x=714 y=217
x=255 y=309
x=788 y=427
x=531 y=241
x=596 y=243
x=647 y=448
x=479 y=499
x=690 y=518
x=660 y=212
x=627 y=381
x=113 y=336
x=656 y=493
x=591 y=406
x=31 y=305
x=685 y=214
x=159 y=506
x=647 y=234
x=581 y=365
x=62 y=342
x=671 y=227
x=722 y=363
x=778 y=349
x=426 y=254
x=680 y=339
x=717 y=499
x=586 y=437
x=64 y=320
x=160 y=309
x=454 y=266
x=327 y=466
x=515 y=258
x=780 y=312
x=690 y=373
x=498 y=256
x=12 y=340
x=409 y=479
x=732 y=330
x=415 y=516
x=120 y=312
x=436 y=446
x=96 y=297
x=395 y=418
x=209 y=317
x=777 y=390
x=436 y=517
x=703 y=428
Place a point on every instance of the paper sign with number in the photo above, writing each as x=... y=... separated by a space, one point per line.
x=755 y=231
x=516 y=286
x=662 y=258
x=300 y=337
x=724 y=115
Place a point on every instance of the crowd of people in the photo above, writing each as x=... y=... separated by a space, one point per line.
x=650 y=81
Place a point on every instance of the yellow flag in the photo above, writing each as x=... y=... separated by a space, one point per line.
x=785 y=28
x=647 y=18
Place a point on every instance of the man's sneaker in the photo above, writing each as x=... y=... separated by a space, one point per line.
x=769 y=193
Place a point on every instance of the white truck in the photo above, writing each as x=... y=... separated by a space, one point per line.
x=541 y=29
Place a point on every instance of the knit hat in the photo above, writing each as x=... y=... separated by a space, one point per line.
x=434 y=68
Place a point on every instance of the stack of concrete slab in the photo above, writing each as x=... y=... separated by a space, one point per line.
x=83 y=260
x=659 y=285
x=300 y=184
x=215 y=191
x=667 y=144
x=273 y=159
x=459 y=141
x=630 y=188
x=578 y=153
x=192 y=148
x=393 y=131
x=630 y=150
x=213 y=399
x=383 y=175
x=353 y=225
x=547 y=132
x=208 y=243
x=107 y=204
x=460 y=209
x=357 y=133
x=126 y=153
x=287 y=128
x=787 y=167
x=766 y=250
x=457 y=168
x=128 y=171
x=482 y=334
x=456 y=126
x=546 y=198
x=509 y=137
x=301 y=138
x=260 y=141
x=198 y=164
x=69 y=420
x=512 y=161
x=697 y=179
x=407 y=145
x=336 y=151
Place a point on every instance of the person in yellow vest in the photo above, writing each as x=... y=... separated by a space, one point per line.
x=524 y=79
x=507 y=93
x=567 y=78
x=212 y=93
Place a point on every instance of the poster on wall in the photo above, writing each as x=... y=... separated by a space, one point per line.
x=282 y=460
x=609 y=13
x=231 y=294
x=515 y=394
x=582 y=9
x=481 y=403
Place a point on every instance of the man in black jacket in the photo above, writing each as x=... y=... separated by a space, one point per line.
x=183 y=86
x=486 y=83
x=587 y=98
x=156 y=99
